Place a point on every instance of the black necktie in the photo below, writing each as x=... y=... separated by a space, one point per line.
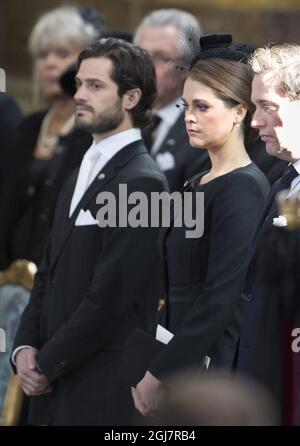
x=148 y=132
x=282 y=183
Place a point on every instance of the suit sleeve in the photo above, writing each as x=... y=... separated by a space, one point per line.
x=29 y=330
x=127 y=257
x=236 y=209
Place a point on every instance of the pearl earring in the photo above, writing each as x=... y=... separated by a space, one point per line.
x=237 y=124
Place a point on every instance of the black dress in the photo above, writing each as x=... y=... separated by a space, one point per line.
x=204 y=276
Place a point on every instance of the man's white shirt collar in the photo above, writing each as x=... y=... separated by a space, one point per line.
x=295 y=185
x=96 y=158
x=110 y=146
x=296 y=164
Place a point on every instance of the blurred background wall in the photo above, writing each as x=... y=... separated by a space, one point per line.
x=256 y=21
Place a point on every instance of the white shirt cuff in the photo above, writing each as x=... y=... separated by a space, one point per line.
x=16 y=350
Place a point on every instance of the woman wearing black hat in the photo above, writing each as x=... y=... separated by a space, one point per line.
x=204 y=276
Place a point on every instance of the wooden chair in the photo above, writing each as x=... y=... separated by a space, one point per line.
x=15 y=285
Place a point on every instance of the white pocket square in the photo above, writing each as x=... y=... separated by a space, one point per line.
x=280 y=221
x=85 y=218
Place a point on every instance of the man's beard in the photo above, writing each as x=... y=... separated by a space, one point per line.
x=105 y=121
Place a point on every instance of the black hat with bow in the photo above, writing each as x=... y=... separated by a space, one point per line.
x=220 y=46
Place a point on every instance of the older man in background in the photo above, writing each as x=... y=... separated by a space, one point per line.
x=171 y=36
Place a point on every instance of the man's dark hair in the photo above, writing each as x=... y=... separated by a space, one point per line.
x=132 y=68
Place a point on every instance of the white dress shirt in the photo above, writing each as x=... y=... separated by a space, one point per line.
x=295 y=185
x=96 y=157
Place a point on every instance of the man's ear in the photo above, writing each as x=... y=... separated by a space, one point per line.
x=131 y=98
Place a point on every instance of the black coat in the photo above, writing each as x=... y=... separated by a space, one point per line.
x=94 y=287
x=10 y=118
x=260 y=354
x=204 y=277
x=29 y=199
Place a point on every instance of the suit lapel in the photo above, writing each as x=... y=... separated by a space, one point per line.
x=176 y=133
x=257 y=235
x=103 y=177
x=262 y=221
x=63 y=208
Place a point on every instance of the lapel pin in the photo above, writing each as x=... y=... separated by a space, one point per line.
x=101 y=176
x=171 y=142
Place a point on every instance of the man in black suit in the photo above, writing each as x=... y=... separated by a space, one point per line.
x=98 y=280
x=171 y=36
x=276 y=95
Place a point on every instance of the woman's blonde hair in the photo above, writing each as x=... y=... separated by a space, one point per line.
x=61 y=25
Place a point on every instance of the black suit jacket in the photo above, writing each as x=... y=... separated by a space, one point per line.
x=260 y=345
x=10 y=118
x=30 y=194
x=94 y=287
x=184 y=160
